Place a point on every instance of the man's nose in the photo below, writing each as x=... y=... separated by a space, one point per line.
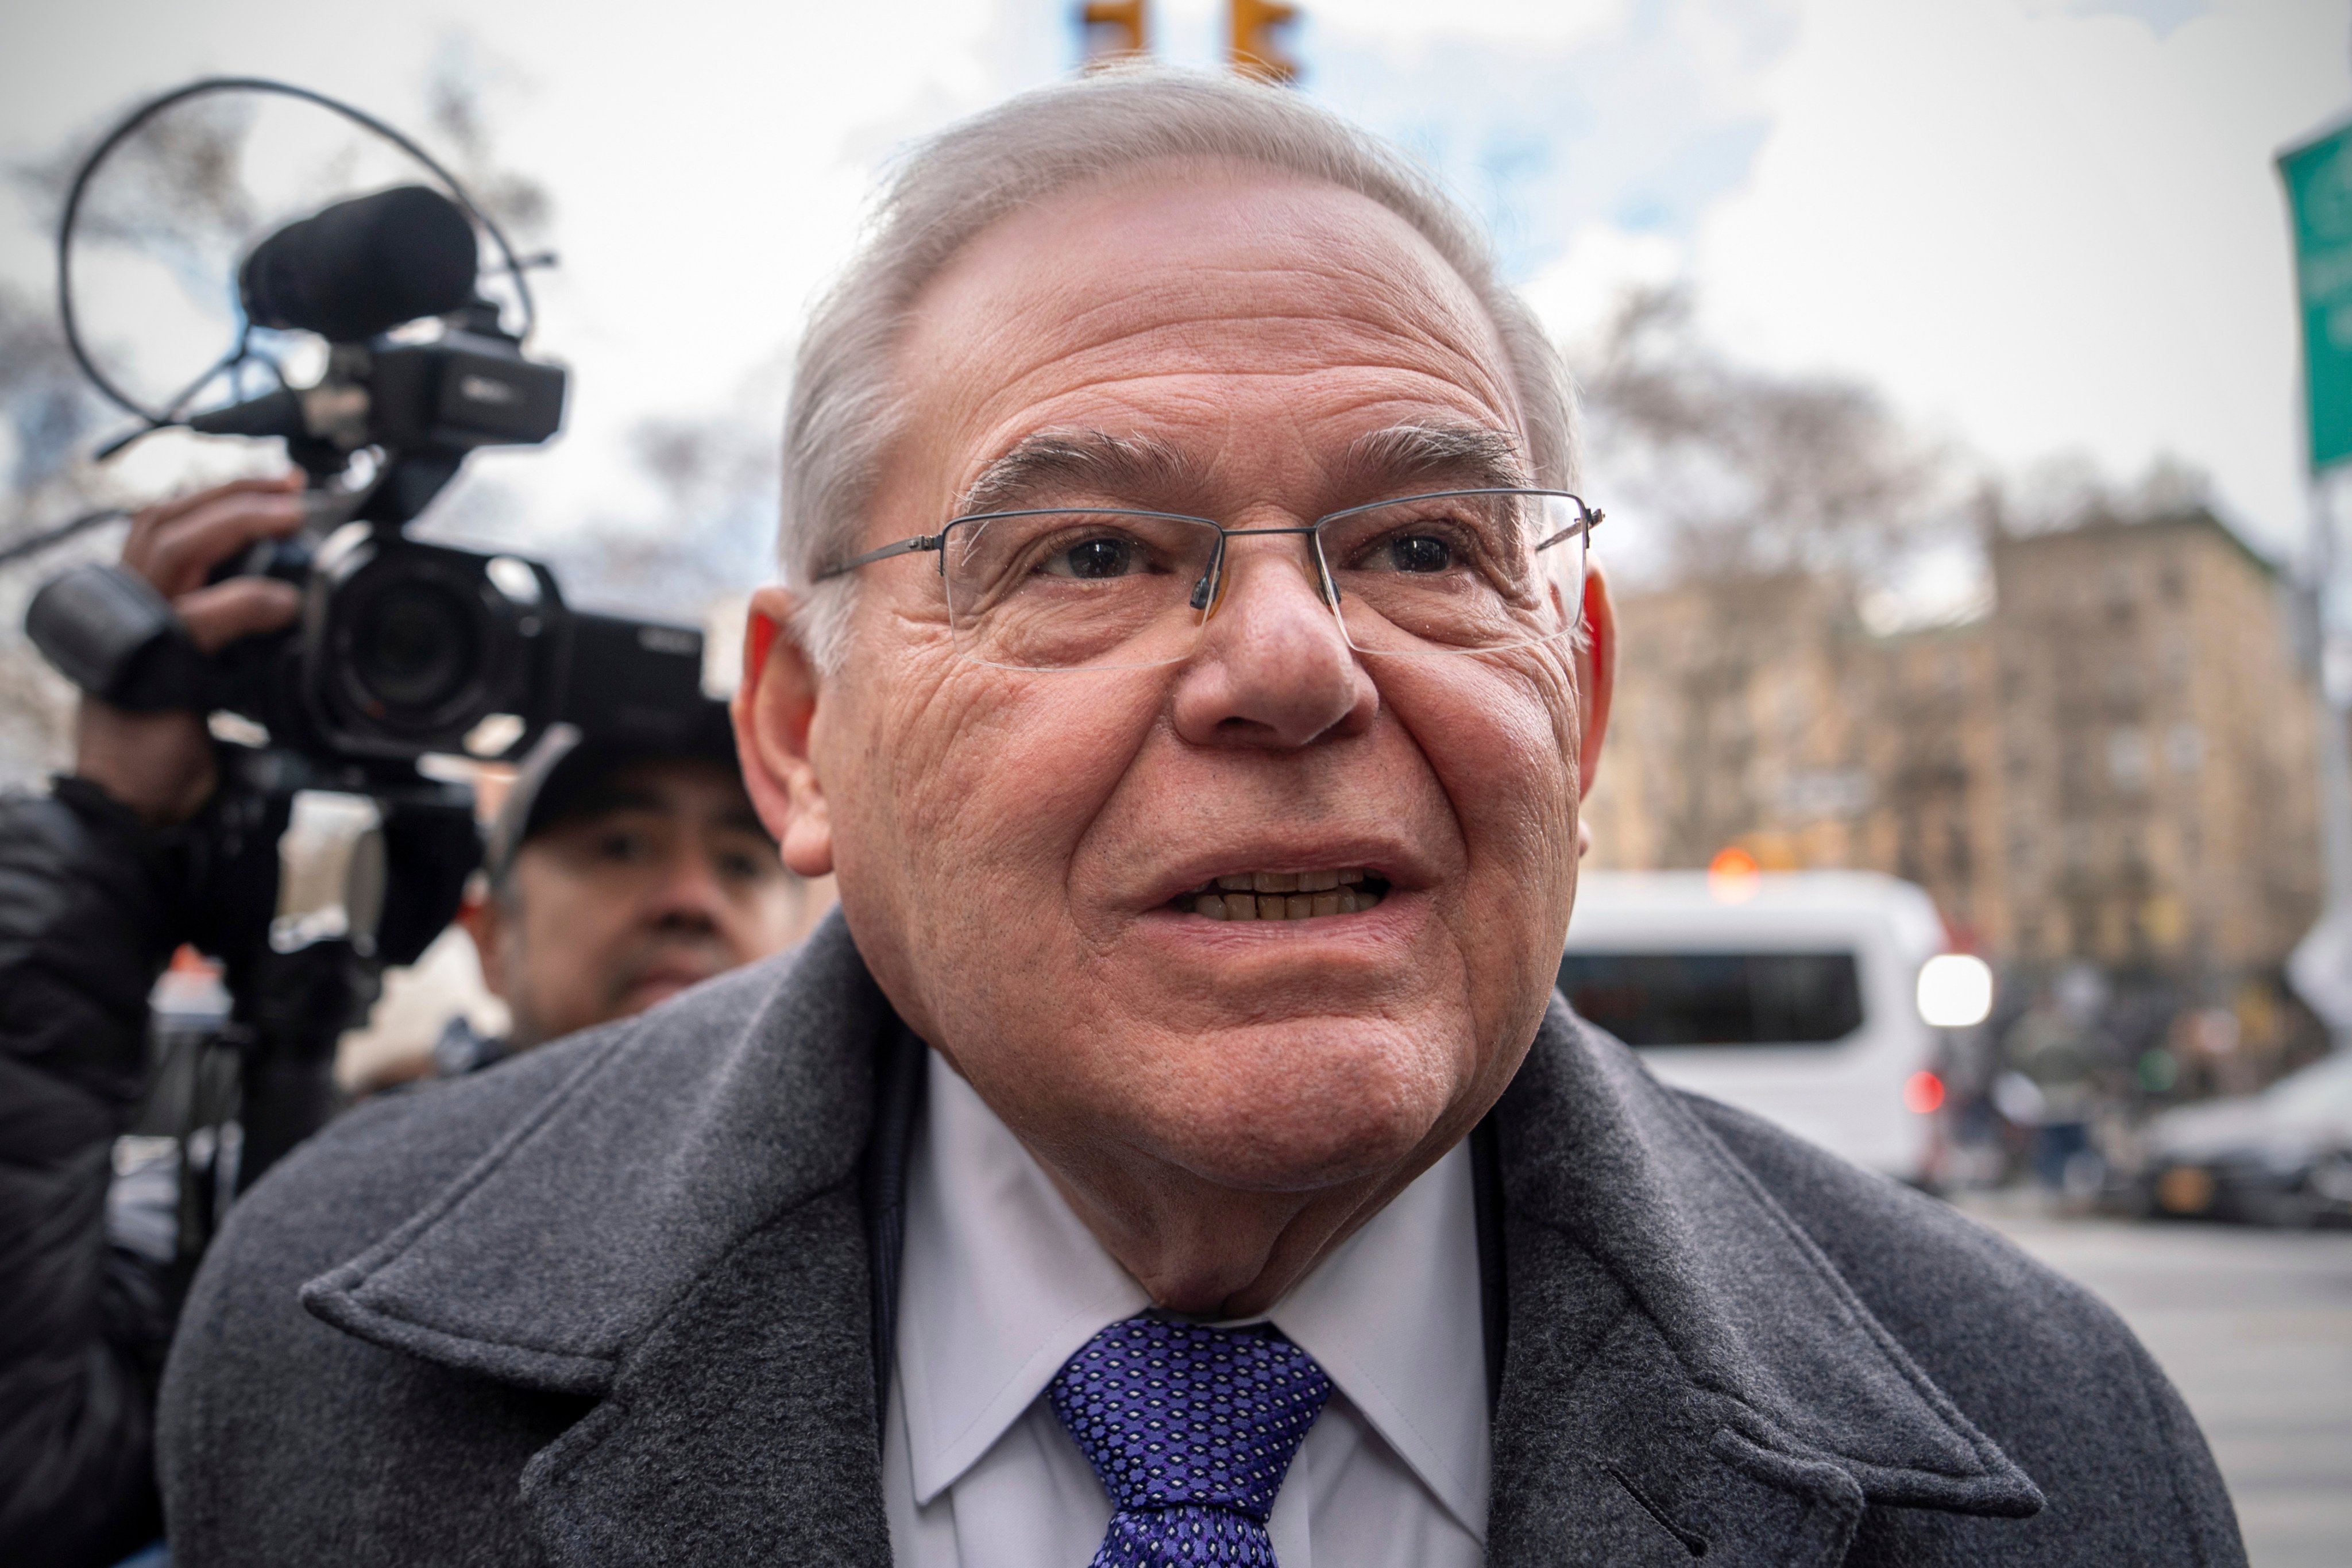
x=1274 y=668
x=688 y=891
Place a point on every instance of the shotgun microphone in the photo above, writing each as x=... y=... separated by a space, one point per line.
x=364 y=266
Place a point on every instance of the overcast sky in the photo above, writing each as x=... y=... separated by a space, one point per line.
x=2043 y=227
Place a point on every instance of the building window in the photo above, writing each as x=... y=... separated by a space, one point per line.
x=2127 y=758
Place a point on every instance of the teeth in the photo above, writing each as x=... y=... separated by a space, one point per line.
x=1302 y=895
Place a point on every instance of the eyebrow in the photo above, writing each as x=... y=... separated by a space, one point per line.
x=1470 y=457
x=1053 y=464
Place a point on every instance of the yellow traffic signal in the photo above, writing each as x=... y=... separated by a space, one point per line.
x=1255 y=52
x=1113 y=29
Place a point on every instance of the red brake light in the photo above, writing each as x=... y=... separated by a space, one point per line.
x=1923 y=1091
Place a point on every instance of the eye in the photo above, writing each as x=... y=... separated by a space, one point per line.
x=1104 y=555
x=1420 y=553
x=624 y=848
x=1417 y=539
x=743 y=859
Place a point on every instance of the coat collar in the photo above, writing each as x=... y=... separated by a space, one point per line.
x=677 y=1232
x=1677 y=1344
x=674 y=1138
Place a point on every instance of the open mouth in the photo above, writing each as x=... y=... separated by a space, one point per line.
x=1283 y=895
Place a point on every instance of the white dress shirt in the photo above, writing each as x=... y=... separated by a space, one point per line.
x=1001 y=1284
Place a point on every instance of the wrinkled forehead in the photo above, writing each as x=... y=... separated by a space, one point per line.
x=1183 y=282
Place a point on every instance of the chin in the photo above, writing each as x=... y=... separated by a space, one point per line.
x=650 y=994
x=1299 y=1105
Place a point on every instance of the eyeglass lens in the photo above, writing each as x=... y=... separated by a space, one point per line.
x=1464 y=571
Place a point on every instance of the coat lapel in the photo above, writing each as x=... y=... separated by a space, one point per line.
x=1686 y=1374
x=741 y=1427
x=678 y=1232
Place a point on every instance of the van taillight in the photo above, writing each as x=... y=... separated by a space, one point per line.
x=1923 y=1091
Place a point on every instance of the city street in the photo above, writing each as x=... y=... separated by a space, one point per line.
x=2255 y=1328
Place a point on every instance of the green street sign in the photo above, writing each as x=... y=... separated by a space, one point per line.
x=2319 y=177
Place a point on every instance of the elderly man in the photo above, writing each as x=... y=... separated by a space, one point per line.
x=1174 y=1152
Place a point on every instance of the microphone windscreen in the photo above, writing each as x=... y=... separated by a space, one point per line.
x=364 y=266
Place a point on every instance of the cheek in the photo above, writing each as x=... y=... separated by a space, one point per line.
x=573 y=920
x=557 y=949
x=751 y=921
x=1502 y=740
x=1024 y=767
x=770 y=915
x=966 y=809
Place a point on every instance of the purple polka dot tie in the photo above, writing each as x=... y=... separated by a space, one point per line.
x=1191 y=1430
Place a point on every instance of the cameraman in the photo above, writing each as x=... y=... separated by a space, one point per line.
x=616 y=878
x=91 y=908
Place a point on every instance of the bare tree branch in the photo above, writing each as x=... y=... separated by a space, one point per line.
x=1747 y=472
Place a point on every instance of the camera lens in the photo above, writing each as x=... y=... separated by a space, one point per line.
x=415 y=645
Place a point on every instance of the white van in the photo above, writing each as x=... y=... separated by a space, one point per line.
x=1796 y=996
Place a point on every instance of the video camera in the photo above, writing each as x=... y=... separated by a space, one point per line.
x=403 y=649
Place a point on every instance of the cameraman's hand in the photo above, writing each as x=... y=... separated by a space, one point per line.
x=161 y=764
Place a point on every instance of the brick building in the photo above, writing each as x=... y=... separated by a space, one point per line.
x=2114 y=764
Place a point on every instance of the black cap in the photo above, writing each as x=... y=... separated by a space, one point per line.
x=566 y=764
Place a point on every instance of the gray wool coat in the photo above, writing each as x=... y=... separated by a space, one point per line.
x=619 y=1301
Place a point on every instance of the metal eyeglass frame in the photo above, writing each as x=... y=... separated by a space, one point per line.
x=1208 y=591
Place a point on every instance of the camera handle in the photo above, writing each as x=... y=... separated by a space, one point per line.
x=316 y=878
x=301 y=1003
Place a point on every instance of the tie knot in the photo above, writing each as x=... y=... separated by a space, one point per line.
x=1172 y=1415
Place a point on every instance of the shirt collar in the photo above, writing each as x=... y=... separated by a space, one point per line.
x=1393 y=1318
x=1002 y=1284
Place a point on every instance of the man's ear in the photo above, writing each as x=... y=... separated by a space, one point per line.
x=775 y=709
x=1596 y=674
x=484 y=919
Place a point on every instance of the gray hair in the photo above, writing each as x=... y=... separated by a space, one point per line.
x=846 y=404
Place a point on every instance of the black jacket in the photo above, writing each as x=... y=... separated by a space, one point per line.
x=620 y=1301
x=88 y=917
